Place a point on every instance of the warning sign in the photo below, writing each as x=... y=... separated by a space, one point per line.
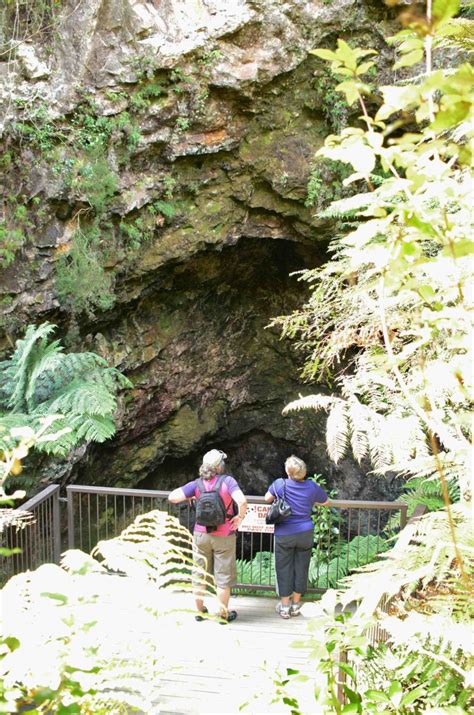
x=255 y=519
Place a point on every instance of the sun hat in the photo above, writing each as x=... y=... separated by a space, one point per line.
x=213 y=458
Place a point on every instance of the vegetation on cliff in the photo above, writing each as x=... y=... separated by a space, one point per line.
x=390 y=322
x=41 y=384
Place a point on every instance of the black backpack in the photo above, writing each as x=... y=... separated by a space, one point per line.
x=210 y=507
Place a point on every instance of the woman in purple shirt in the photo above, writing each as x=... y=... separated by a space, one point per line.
x=294 y=535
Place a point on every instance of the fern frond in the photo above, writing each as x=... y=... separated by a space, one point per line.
x=21 y=361
x=344 y=207
x=75 y=364
x=309 y=402
x=337 y=431
x=155 y=546
x=359 y=425
x=7 y=422
x=88 y=621
x=95 y=428
x=458 y=33
x=48 y=361
x=88 y=398
x=424 y=553
x=379 y=449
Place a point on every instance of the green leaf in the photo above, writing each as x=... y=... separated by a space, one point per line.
x=459 y=249
x=68 y=709
x=350 y=90
x=351 y=708
x=451 y=116
x=346 y=54
x=410 y=59
x=348 y=669
x=291 y=671
x=413 y=695
x=395 y=692
x=56 y=596
x=445 y=9
x=11 y=642
x=377 y=696
x=9 y=552
x=351 y=694
x=324 y=55
x=427 y=293
x=364 y=67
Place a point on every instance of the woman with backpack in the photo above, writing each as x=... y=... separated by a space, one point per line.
x=294 y=534
x=215 y=530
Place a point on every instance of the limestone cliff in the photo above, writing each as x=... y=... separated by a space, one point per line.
x=156 y=156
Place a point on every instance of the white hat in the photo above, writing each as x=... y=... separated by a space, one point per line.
x=213 y=458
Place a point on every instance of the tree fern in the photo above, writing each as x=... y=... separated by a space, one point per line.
x=40 y=379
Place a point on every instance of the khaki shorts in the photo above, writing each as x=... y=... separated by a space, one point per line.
x=216 y=555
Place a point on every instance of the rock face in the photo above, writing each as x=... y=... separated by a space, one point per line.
x=156 y=157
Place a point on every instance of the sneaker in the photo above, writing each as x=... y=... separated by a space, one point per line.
x=231 y=616
x=283 y=611
x=200 y=616
x=295 y=609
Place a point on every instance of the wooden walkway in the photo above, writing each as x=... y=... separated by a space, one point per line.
x=222 y=668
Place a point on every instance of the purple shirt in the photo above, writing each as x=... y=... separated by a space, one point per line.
x=300 y=496
x=227 y=488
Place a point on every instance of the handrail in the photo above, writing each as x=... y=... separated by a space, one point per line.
x=254 y=498
x=42 y=540
x=39 y=498
x=39 y=539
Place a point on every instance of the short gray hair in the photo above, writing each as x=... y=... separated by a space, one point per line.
x=295 y=468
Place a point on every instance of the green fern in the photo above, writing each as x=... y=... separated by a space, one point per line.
x=40 y=379
x=259 y=570
x=104 y=638
x=360 y=551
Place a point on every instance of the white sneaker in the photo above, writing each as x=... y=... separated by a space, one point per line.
x=295 y=609
x=283 y=611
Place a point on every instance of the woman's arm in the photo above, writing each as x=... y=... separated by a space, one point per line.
x=241 y=500
x=269 y=497
x=177 y=496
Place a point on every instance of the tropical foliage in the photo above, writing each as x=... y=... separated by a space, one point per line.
x=40 y=381
x=105 y=639
x=389 y=320
x=388 y=327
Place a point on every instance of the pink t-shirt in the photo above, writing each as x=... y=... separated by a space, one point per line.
x=228 y=487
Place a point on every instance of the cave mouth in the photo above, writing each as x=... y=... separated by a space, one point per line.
x=208 y=372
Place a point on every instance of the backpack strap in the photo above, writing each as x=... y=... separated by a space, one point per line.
x=216 y=487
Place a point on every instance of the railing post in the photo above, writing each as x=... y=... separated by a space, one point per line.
x=341 y=696
x=56 y=529
x=403 y=516
x=70 y=518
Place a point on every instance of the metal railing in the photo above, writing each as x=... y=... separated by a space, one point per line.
x=96 y=513
x=37 y=539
